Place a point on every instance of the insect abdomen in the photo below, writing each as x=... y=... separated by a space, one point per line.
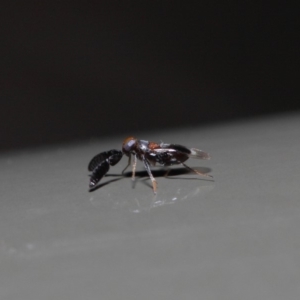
x=98 y=172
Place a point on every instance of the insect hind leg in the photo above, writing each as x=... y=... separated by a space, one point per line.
x=197 y=172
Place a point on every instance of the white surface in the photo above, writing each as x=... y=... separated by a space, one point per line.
x=237 y=237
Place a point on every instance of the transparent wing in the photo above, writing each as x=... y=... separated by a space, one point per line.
x=196 y=153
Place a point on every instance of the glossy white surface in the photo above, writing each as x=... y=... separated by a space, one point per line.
x=237 y=237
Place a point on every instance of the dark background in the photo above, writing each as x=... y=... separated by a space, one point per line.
x=75 y=70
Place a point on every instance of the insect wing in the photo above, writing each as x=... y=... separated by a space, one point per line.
x=196 y=153
x=193 y=152
x=170 y=155
x=175 y=147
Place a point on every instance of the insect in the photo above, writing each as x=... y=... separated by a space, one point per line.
x=150 y=153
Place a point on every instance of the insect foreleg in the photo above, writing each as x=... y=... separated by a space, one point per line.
x=128 y=164
x=134 y=168
x=147 y=167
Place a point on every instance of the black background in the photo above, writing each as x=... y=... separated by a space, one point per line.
x=77 y=70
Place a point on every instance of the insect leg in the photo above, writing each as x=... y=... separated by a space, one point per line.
x=167 y=173
x=134 y=168
x=128 y=164
x=147 y=167
x=197 y=172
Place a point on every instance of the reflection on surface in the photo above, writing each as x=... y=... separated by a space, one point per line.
x=137 y=199
x=144 y=203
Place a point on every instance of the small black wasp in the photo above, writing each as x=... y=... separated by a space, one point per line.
x=149 y=153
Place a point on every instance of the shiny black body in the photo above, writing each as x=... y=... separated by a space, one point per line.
x=99 y=165
x=149 y=153
x=172 y=155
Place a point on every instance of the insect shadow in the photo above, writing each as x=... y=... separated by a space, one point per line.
x=163 y=172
